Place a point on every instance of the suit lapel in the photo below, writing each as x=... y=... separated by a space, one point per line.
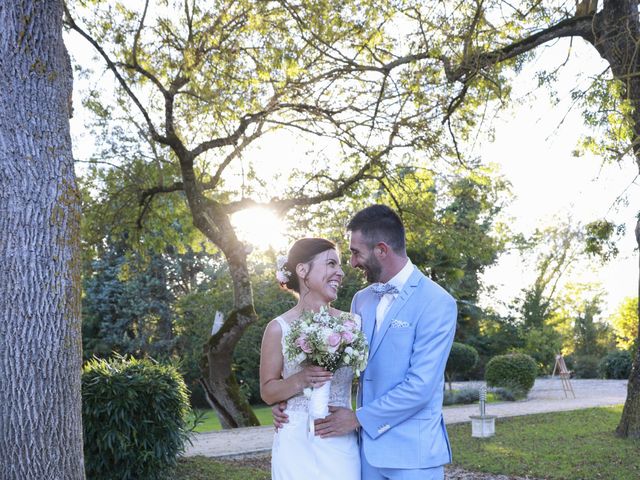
x=398 y=303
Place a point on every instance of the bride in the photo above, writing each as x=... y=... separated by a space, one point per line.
x=313 y=272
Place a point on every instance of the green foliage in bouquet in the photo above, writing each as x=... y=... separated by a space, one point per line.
x=134 y=416
x=319 y=338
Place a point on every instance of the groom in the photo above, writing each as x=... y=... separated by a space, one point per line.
x=409 y=322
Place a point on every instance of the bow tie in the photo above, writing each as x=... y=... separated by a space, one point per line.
x=381 y=289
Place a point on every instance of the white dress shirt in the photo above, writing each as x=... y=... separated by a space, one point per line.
x=387 y=299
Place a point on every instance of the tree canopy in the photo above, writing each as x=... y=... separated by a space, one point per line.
x=199 y=88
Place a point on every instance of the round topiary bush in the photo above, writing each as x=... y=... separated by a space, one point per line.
x=616 y=365
x=515 y=371
x=134 y=417
x=462 y=358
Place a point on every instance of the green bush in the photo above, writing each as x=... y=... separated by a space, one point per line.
x=585 y=366
x=616 y=365
x=134 y=416
x=505 y=394
x=461 y=397
x=462 y=358
x=515 y=371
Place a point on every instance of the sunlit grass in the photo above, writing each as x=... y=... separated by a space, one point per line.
x=210 y=420
x=562 y=445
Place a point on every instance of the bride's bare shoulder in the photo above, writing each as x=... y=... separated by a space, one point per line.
x=289 y=316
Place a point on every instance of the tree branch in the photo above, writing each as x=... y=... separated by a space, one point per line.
x=146 y=197
x=230 y=139
x=229 y=158
x=283 y=205
x=112 y=66
x=571 y=27
x=136 y=38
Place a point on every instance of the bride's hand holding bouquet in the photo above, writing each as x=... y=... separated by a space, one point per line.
x=328 y=341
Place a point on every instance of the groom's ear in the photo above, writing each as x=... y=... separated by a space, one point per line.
x=381 y=250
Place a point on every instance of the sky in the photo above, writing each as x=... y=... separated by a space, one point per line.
x=532 y=145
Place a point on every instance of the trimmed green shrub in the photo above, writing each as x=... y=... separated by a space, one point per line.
x=462 y=358
x=515 y=371
x=585 y=366
x=134 y=417
x=616 y=365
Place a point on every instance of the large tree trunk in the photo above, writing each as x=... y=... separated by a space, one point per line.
x=218 y=381
x=629 y=425
x=616 y=37
x=40 y=346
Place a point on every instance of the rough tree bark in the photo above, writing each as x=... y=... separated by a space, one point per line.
x=616 y=38
x=629 y=425
x=40 y=346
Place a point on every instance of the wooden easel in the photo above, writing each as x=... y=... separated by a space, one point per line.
x=564 y=375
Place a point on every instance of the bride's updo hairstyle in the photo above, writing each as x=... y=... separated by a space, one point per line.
x=302 y=251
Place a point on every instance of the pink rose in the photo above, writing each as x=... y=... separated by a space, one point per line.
x=301 y=342
x=333 y=340
x=350 y=325
x=347 y=337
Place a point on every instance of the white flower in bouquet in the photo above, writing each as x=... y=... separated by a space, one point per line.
x=327 y=341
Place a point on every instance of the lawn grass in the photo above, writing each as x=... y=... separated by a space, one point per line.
x=210 y=420
x=203 y=468
x=577 y=445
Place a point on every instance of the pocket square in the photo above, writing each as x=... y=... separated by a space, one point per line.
x=399 y=324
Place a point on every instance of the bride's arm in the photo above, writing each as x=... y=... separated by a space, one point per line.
x=274 y=388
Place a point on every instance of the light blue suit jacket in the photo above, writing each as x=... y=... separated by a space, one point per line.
x=400 y=396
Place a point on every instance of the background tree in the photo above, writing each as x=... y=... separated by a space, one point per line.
x=625 y=324
x=202 y=85
x=453 y=231
x=483 y=52
x=40 y=357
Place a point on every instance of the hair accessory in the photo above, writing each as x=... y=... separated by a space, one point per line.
x=282 y=274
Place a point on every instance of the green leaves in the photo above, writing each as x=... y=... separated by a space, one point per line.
x=601 y=237
x=134 y=417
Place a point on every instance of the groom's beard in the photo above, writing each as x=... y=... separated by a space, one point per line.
x=372 y=269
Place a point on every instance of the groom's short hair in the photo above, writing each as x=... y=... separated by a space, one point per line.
x=378 y=223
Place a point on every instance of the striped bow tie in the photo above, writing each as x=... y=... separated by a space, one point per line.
x=381 y=289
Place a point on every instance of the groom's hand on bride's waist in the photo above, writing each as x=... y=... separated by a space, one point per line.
x=279 y=417
x=340 y=421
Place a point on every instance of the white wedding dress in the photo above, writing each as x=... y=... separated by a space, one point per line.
x=298 y=454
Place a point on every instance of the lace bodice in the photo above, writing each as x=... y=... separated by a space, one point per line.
x=340 y=393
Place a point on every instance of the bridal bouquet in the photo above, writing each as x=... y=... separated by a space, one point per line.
x=319 y=338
